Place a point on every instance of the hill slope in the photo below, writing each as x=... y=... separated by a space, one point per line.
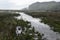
x=45 y=6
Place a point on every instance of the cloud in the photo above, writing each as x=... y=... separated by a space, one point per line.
x=5 y=4
x=18 y=4
x=12 y=4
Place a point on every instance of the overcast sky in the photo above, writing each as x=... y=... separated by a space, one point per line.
x=18 y=4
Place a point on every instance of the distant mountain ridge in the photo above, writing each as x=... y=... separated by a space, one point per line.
x=45 y=6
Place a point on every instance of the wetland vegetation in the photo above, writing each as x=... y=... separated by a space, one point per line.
x=8 y=24
x=50 y=18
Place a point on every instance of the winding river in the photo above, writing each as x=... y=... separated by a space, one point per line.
x=40 y=27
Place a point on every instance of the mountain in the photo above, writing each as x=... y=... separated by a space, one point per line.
x=45 y=6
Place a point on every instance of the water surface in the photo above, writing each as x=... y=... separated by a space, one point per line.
x=40 y=27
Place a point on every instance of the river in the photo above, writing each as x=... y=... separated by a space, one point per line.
x=40 y=27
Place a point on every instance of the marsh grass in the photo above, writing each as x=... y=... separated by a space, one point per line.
x=8 y=26
x=50 y=18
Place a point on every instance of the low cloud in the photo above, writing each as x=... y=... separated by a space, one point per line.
x=18 y=4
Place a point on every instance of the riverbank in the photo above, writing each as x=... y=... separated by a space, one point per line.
x=8 y=24
x=50 y=18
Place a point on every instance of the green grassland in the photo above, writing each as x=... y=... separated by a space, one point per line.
x=8 y=26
